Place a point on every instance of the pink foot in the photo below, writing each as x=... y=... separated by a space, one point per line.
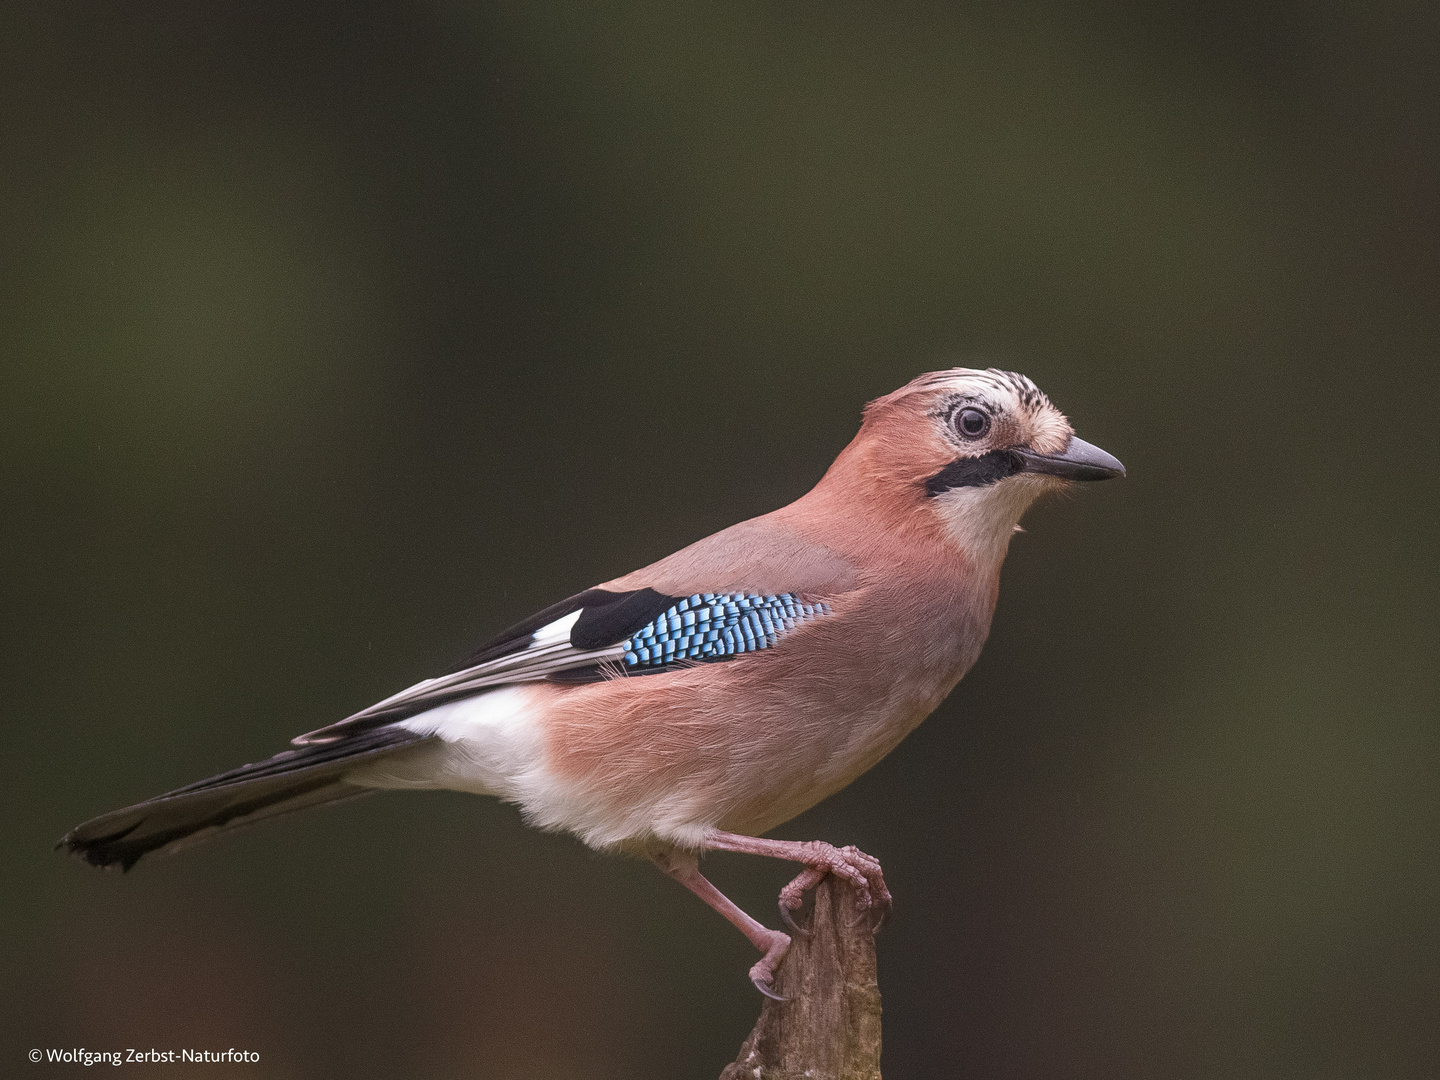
x=849 y=863
x=762 y=974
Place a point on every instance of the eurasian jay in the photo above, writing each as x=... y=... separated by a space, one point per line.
x=697 y=703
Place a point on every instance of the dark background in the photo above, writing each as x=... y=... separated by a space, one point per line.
x=335 y=337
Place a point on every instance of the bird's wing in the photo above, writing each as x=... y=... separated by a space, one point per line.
x=734 y=592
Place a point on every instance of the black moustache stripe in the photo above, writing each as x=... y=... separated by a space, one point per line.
x=979 y=471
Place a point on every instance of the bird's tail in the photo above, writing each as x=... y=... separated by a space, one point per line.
x=293 y=780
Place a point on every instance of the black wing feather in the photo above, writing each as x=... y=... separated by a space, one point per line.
x=514 y=638
x=612 y=620
x=606 y=619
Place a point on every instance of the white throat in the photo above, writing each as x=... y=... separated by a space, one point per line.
x=981 y=520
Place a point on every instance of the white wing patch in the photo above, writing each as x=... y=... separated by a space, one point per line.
x=549 y=651
x=559 y=630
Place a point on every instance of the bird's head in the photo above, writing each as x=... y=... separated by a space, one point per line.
x=975 y=448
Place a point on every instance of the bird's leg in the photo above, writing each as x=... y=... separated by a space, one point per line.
x=850 y=863
x=683 y=867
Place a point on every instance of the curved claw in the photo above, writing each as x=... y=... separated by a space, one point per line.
x=766 y=989
x=876 y=921
x=789 y=921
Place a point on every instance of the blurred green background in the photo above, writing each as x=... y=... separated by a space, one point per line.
x=337 y=336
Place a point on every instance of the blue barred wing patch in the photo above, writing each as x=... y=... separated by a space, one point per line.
x=713 y=626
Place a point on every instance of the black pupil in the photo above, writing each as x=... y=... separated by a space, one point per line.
x=972 y=422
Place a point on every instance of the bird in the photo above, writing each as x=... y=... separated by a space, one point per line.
x=696 y=704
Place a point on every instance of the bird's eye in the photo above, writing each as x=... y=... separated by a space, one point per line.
x=972 y=423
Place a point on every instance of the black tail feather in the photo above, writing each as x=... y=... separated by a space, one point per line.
x=293 y=780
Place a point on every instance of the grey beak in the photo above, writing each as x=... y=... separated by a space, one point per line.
x=1079 y=461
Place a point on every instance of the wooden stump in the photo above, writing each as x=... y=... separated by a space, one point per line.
x=829 y=1026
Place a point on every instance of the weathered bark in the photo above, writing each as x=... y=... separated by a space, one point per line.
x=829 y=1026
